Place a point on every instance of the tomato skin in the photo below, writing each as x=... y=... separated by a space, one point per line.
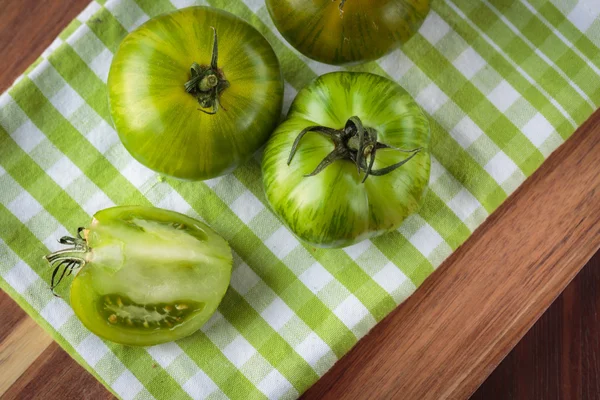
x=137 y=256
x=334 y=208
x=366 y=31
x=161 y=125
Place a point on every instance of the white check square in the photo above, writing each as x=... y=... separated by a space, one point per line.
x=466 y=132
x=538 y=129
x=434 y=28
x=469 y=63
x=464 y=204
x=127 y=385
x=56 y=312
x=165 y=353
x=500 y=167
x=247 y=206
x=28 y=136
x=316 y=277
x=312 y=349
x=277 y=314
x=426 y=240
x=24 y=207
x=92 y=349
x=351 y=311
x=274 y=385
x=200 y=386
x=390 y=277
x=503 y=96
x=21 y=277
x=239 y=351
x=63 y=172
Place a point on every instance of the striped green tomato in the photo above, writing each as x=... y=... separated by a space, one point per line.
x=350 y=162
x=195 y=93
x=347 y=31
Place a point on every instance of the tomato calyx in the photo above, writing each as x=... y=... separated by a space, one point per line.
x=207 y=82
x=70 y=259
x=355 y=143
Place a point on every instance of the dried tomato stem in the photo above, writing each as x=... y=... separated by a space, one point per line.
x=207 y=82
x=70 y=259
x=355 y=143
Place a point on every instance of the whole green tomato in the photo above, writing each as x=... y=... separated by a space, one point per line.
x=144 y=275
x=350 y=162
x=344 y=32
x=195 y=93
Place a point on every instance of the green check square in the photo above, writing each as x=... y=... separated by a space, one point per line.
x=513 y=182
x=48 y=81
x=10 y=189
x=260 y=296
x=551 y=144
x=333 y=294
x=299 y=260
x=45 y=154
x=295 y=331
x=256 y=368
x=87 y=46
x=11 y=116
x=483 y=149
x=264 y=224
x=109 y=368
x=451 y=45
x=182 y=368
x=487 y=79
x=371 y=261
x=532 y=28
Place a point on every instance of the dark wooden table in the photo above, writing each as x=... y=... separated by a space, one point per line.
x=555 y=235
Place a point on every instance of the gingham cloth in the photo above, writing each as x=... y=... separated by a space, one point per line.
x=504 y=83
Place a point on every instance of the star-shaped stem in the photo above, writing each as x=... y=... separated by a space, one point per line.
x=355 y=143
x=208 y=82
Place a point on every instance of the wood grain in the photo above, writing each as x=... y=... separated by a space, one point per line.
x=55 y=375
x=559 y=358
x=450 y=335
x=447 y=338
x=27 y=28
x=20 y=348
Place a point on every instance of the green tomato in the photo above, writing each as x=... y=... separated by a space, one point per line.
x=350 y=162
x=344 y=32
x=146 y=276
x=194 y=93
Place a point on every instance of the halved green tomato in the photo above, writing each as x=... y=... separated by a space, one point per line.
x=147 y=276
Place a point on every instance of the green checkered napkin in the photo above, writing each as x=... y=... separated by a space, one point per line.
x=504 y=82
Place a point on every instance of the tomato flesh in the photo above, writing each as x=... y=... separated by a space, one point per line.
x=151 y=276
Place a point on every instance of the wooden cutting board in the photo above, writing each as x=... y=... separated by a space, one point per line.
x=443 y=341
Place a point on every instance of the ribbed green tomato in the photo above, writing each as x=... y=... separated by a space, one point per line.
x=146 y=276
x=338 y=205
x=161 y=104
x=347 y=31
